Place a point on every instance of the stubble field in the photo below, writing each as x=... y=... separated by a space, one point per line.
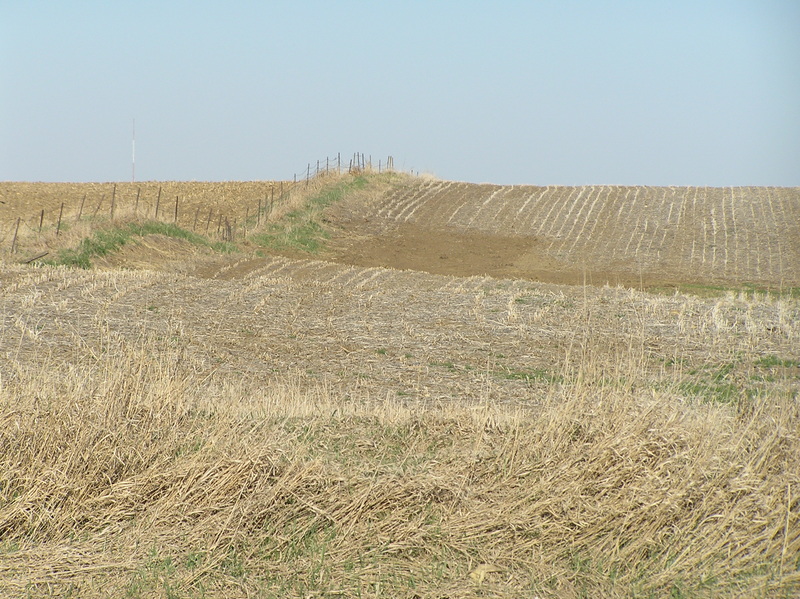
x=409 y=406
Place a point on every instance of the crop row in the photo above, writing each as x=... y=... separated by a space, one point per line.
x=711 y=233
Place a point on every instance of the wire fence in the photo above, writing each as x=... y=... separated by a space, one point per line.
x=44 y=212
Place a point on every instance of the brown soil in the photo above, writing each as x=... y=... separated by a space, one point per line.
x=465 y=254
x=630 y=236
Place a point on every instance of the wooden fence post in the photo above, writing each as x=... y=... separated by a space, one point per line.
x=196 y=216
x=41 y=220
x=113 y=200
x=14 y=241
x=80 y=211
x=158 y=201
x=208 y=222
x=100 y=203
x=176 y=210
x=60 y=212
x=136 y=205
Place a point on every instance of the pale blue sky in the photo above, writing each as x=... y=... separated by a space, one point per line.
x=682 y=92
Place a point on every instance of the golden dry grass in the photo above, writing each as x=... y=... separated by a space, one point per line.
x=269 y=427
x=129 y=468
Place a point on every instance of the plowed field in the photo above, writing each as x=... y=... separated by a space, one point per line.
x=596 y=234
x=635 y=236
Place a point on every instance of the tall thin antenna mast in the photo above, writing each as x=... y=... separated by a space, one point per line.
x=133 y=154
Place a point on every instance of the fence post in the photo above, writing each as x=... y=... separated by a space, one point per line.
x=258 y=214
x=308 y=173
x=14 y=241
x=176 y=210
x=338 y=163
x=96 y=210
x=80 y=212
x=136 y=205
x=158 y=201
x=58 y=226
x=113 y=200
x=196 y=216
x=208 y=222
x=41 y=220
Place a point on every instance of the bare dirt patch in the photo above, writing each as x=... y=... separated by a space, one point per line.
x=634 y=236
x=466 y=254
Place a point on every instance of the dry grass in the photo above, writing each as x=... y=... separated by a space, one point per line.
x=221 y=211
x=132 y=474
x=296 y=428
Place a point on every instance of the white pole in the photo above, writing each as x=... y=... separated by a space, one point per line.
x=133 y=154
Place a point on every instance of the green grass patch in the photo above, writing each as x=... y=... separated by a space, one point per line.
x=447 y=365
x=723 y=393
x=306 y=236
x=713 y=383
x=156 y=576
x=107 y=241
x=529 y=375
x=302 y=229
x=710 y=290
x=772 y=361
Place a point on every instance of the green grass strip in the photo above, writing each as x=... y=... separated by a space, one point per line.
x=302 y=229
x=107 y=241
